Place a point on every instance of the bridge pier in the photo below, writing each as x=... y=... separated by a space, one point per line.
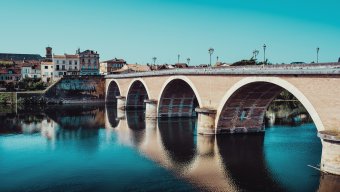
x=150 y=108
x=206 y=121
x=330 y=158
x=121 y=102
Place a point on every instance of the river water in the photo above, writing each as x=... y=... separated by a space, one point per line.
x=97 y=148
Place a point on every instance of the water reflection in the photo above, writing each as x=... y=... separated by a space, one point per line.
x=232 y=162
x=274 y=161
x=244 y=161
x=178 y=139
x=135 y=121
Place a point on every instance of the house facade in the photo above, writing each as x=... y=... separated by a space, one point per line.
x=47 y=71
x=110 y=66
x=10 y=74
x=65 y=65
x=30 y=70
x=89 y=62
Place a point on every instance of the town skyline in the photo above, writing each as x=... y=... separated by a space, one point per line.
x=137 y=31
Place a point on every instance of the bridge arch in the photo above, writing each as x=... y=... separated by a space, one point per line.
x=178 y=98
x=246 y=102
x=113 y=90
x=137 y=93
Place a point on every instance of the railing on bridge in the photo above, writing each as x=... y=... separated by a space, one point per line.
x=282 y=69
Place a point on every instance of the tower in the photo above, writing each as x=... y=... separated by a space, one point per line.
x=49 y=53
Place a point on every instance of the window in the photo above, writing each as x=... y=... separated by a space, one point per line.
x=63 y=61
x=46 y=67
x=57 y=67
x=75 y=62
x=57 y=61
x=70 y=62
x=60 y=73
x=63 y=67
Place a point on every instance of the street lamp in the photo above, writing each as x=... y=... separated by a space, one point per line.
x=154 y=60
x=178 y=56
x=255 y=53
x=317 y=54
x=264 y=53
x=217 y=59
x=188 y=60
x=211 y=51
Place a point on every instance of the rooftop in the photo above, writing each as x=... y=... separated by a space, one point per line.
x=17 y=57
x=66 y=56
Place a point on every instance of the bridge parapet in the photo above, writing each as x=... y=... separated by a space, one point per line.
x=305 y=69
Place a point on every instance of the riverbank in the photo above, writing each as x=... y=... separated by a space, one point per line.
x=73 y=89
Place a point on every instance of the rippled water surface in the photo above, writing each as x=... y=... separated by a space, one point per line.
x=97 y=148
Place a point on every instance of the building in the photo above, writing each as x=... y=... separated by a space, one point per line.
x=65 y=65
x=10 y=74
x=48 y=56
x=30 y=69
x=47 y=71
x=131 y=68
x=20 y=57
x=89 y=62
x=109 y=66
x=103 y=68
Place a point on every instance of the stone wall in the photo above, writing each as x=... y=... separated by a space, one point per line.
x=77 y=89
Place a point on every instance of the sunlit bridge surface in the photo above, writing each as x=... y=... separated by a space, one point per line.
x=97 y=148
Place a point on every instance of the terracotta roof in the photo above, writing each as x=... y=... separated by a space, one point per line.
x=133 y=68
x=47 y=63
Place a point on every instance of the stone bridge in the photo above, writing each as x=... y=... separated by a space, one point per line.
x=235 y=99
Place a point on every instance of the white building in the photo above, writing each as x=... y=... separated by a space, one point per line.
x=65 y=65
x=47 y=71
x=30 y=71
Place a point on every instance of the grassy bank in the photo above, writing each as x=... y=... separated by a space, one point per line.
x=7 y=97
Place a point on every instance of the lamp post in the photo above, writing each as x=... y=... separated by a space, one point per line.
x=264 y=54
x=217 y=59
x=154 y=60
x=211 y=51
x=317 y=54
x=178 y=56
x=255 y=53
x=188 y=60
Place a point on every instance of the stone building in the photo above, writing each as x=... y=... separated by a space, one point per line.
x=89 y=62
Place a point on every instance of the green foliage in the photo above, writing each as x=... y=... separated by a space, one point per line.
x=32 y=84
x=6 y=98
x=244 y=62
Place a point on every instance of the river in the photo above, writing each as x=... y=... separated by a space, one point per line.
x=97 y=148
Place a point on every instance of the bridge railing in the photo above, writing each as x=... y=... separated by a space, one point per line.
x=282 y=69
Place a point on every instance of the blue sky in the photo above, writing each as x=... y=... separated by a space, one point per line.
x=138 y=30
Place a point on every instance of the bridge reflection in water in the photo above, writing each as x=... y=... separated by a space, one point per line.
x=272 y=161
x=227 y=162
